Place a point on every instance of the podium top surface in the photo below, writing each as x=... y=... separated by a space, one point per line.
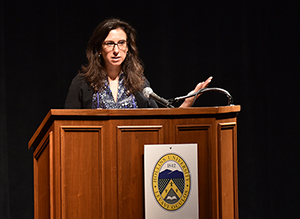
x=145 y=111
x=68 y=114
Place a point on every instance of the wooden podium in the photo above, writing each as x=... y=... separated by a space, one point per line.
x=89 y=163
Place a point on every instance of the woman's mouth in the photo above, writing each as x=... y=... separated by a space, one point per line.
x=116 y=57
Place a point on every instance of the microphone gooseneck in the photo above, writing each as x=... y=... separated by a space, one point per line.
x=203 y=90
x=148 y=92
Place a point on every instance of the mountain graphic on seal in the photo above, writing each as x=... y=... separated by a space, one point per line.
x=169 y=174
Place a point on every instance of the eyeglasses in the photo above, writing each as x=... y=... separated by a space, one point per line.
x=110 y=45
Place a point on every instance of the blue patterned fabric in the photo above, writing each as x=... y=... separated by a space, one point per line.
x=105 y=100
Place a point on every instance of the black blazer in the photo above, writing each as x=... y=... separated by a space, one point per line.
x=80 y=95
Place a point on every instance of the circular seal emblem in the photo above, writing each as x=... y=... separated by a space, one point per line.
x=171 y=182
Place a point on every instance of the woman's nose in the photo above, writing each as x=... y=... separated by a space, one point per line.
x=116 y=48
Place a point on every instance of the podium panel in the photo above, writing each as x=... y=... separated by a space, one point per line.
x=89 y=163
x=81 y=156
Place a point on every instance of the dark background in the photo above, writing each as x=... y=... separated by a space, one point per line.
x=250 y=47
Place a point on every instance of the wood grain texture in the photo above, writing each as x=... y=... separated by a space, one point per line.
x=89 y=163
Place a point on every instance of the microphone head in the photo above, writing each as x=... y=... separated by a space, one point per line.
x=147 y=91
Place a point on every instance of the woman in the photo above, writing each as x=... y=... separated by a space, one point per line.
x=113 y=77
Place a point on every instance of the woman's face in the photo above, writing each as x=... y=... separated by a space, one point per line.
x=114 y=48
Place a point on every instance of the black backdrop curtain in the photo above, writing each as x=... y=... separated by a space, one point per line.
x=248 y=46
x=4 y=192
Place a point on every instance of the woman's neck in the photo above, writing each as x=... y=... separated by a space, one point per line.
x=113 y=80
x=113 y=72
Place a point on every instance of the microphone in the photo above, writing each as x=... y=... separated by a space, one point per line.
x=148 y=92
